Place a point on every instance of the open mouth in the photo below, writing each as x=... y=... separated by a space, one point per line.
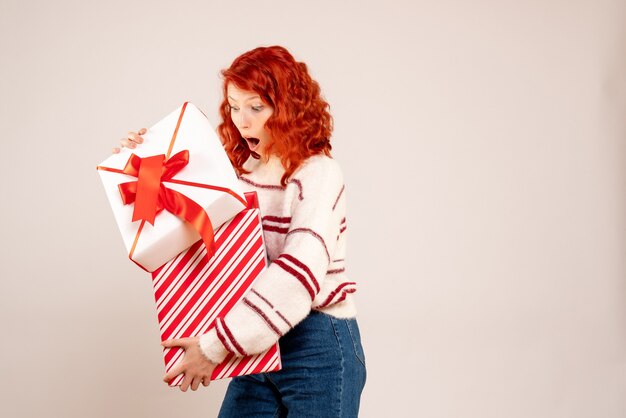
x=252 y=143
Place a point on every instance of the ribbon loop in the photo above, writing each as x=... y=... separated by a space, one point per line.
x=174 y=164
x=151 y=196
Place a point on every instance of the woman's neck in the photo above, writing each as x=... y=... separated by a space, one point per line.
x=265 y=169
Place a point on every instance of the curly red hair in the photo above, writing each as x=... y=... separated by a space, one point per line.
x=300 y=125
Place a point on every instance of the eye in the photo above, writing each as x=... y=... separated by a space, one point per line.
x=257 y=108
x=233 y=108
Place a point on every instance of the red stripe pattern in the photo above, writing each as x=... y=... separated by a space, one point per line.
x=193 y=294
x=272 y=228
x=339 y=196
x=223 y=339
x=274 y=186
x=338 y=294
x=299 y=184
x=299 y=271
x=284 y=319
x=304 y=268
x=239 y=350
x=342 y=226
x=260 y=304
x=265 y=318
x=332 y=285
x=262 y=298
x=299 y=276
x=279 y=224
x=261 y=186
x=280 y=219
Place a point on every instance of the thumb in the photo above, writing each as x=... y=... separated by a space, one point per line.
x=176 y=342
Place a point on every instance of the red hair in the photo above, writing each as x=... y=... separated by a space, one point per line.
x=300 y=125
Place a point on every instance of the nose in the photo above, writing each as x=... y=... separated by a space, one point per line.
x=244 y=121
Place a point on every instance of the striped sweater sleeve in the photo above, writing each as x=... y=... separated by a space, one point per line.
x=282 y=295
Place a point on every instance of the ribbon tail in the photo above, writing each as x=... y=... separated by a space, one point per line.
x=148 y=188
x=188 y=210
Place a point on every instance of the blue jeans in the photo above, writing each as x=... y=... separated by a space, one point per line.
x=323 y=373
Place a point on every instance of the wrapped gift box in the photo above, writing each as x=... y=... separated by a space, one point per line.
x=191 y=291
x=176 y=187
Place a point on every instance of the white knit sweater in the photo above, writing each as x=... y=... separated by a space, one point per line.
x=304 y=227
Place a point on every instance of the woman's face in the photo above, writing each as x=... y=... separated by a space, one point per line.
x=249 y=114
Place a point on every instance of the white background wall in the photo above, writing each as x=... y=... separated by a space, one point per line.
x=483 y=145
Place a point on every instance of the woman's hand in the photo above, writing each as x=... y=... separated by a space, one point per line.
x=196 y=367
x=131 y=140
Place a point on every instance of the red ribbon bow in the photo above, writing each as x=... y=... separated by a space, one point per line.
x=151 y=196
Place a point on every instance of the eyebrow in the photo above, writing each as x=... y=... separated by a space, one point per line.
x=249 y=98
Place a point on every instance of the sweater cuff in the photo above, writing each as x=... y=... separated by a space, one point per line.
x=212 y=347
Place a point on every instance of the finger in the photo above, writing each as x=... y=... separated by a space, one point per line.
x=176 y=342
x=142 y=131
x=206 y=381
x=175 y=371
x=195 y=383
x=135 y=137
x=185 y=385
x=116 y=150
x=127 y=143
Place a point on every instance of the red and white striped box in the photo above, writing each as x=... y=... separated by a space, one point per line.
x=191 y=292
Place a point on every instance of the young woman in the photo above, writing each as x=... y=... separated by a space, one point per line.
x=276 y=130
